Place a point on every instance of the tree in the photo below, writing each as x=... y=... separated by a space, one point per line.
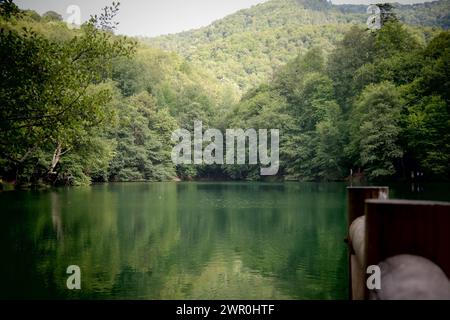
x=375 y=130
x=329 y=144
x=355 y=50
x=50 y=92
x=428 y=117
x=32 y=14
x=105 y=21
x=393 y=38
x=435 y=76
x=52 y=16
x=387 y=13
x=142 y=151
x=9 y=9
x=428 y=136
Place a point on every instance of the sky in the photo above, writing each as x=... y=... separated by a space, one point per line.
x=157 y=17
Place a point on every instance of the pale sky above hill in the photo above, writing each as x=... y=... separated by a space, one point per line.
x=156 y=17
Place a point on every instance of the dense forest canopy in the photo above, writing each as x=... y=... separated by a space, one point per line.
x=84 y=105
x=248 y=47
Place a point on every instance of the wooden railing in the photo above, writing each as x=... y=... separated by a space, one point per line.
x=396 y=227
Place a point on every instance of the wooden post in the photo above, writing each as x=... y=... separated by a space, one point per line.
x=357 y=197
x=356 y=204
x=408 y=227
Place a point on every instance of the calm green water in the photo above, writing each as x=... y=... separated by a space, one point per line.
x=179 y=241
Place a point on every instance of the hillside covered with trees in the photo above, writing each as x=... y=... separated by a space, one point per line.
x=378 y=104
x=84 y=105
x=248 y=47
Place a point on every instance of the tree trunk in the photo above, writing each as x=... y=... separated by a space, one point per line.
x=56 y=158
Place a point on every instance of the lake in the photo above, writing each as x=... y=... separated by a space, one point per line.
x=181 y=240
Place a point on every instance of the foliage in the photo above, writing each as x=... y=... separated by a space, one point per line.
x=142 y=151
x=86 y=105
x=9 y=9
x=53 y=96
x=52 y=16
x=248 y=47
x=378 y=106
x=375 y=129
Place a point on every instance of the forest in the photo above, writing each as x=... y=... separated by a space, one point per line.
x=84 y=105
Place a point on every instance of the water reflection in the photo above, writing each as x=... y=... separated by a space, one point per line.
x=179 y=241
x=56 y=215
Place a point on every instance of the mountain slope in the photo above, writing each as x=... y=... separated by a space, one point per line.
x=245 y=48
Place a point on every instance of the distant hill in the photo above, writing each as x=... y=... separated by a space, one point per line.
x=245 y=48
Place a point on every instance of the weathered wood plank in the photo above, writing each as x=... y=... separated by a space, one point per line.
x=408 y=227
x=357 y=196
